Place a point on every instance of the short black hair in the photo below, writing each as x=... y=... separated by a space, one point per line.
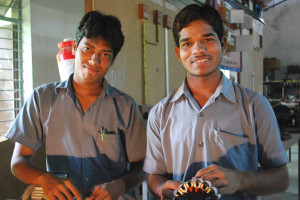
x=94 y=24
x=195 y=12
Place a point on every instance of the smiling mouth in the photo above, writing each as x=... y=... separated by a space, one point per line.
x=92 y=69
x=200 y=60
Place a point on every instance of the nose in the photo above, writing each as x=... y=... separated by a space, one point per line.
x=199 y=47
x=95 y=59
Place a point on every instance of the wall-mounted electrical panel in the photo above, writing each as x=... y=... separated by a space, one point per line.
x=143 y=11
x=158 y=17
x=167 y=22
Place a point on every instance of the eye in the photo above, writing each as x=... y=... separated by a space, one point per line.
x=208 y=39
x=107 y=55
x=86 y=49
x=186 y=44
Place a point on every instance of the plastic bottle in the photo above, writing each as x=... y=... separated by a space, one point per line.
x=65 y=59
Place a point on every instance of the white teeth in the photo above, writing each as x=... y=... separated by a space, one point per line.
x=200 y=61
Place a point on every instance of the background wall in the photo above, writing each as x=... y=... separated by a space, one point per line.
x=126 y=73
x=252 y=72
x=281 y=34
x=45 y=24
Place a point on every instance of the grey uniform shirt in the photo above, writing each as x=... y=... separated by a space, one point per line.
x=92 y=147
x=236 y=129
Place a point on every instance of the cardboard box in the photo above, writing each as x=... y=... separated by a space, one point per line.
x=251 y=23
x=236 y=16
x=230 y=41
x=271 y=63
x=249 y=42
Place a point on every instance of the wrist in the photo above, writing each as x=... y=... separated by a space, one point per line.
x=116 y=188
x=244 y=181
x=42 y=178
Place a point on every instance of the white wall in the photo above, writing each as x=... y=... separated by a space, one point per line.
x=282 y=34
x=45 y=24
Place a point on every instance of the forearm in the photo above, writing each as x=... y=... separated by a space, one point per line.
x=26 y=172
x=23 y=168
x=134 y=178
x=156 y=183
x=265 y=182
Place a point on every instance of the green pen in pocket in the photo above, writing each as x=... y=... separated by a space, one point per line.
x=103 y=134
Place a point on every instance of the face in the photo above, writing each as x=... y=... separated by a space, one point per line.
x=200 y=49
x=92 y=60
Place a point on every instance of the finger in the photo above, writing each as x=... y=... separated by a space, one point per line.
x=206 y=170
x=167 y=194
x=99 y=193
x=108 y=197
x=94 y=193
x=218 y=183
x=73 y=189
x=59 y=196
x=51 y=196
x=102 y=196
x=172 y=185
x=55 y=194
x=64 y=191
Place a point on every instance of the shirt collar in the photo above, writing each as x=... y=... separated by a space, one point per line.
x=225 y=87
x=68 y=85
x=182 y=90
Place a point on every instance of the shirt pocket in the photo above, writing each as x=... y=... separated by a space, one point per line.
x=226 y=140
x=110 y=145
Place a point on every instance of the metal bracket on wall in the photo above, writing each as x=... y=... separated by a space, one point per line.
x=157 y=17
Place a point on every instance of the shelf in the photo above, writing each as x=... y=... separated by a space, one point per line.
x=238 y=5
x=281 y=81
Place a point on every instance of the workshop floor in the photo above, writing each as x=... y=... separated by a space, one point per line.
x=292 y=192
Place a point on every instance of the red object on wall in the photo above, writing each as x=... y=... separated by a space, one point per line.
x=65 y=59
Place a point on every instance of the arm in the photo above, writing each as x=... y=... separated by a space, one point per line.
x=263 y=182
x=24 y=170
x=162 y=187
x=116 y=188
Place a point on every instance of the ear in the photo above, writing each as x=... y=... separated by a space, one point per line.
x=177 y=51
x=224 y=44
x=74 y=47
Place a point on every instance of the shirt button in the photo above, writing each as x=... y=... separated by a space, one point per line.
x=85 y=154
x=201 y=144
x=200 y=114
x=85 y=130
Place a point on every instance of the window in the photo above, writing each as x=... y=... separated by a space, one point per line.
x=11 y=80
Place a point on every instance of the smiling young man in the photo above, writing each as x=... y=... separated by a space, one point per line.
x=94 y=134
x=210 y=127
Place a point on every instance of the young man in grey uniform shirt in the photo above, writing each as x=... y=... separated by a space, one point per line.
x=210 y=127
x=94 y=133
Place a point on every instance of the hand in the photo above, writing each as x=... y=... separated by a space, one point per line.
x=226 y=180
x=57 y=188
x=106 y=191
x=169 y=187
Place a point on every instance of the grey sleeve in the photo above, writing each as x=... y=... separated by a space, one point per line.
x=270 y=149
x=26 y=128
x=154 y=162
x=136 y=135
